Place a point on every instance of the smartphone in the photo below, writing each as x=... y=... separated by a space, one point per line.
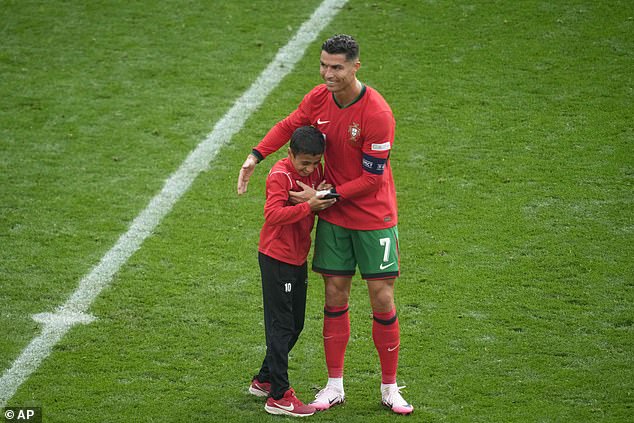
x=330 y=195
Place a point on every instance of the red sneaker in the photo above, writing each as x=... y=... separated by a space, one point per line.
x=288 y=405
x=259 y=389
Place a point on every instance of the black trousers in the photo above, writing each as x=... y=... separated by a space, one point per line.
x=284 y=296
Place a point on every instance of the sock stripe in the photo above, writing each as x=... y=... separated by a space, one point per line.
x=335 y=313
x=384 y=321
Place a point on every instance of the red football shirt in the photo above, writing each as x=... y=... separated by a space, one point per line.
x=285 y=235
x=359 y=138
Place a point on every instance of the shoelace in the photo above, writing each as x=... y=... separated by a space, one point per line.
x=394 y=396
x=326 y=389
x=294 y=400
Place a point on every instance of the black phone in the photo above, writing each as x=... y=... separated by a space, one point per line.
x=330 y=195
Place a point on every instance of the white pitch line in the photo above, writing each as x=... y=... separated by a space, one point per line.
x=74 y=311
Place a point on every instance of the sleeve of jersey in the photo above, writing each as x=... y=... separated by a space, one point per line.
x=276 y=209
x=282 y=131
x=376 y=152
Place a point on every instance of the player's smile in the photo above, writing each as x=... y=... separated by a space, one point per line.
x=338 y=73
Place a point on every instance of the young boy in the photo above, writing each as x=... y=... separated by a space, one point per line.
x=283 y=249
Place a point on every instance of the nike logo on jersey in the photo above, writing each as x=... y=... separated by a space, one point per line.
x=285 y=407
x=321 y=122
x=385 y=266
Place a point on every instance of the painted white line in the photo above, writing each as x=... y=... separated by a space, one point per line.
x=55 y=325
x=64 y=318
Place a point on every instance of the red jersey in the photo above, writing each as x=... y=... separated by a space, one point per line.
x=359 y=138
x=285 y=235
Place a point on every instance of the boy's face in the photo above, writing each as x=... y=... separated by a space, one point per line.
x=304 y=164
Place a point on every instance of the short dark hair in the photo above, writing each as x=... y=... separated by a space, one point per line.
x=342 y=44
x=307 y=140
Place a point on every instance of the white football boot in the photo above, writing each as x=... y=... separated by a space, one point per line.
x=392 y=398
x=328 y=397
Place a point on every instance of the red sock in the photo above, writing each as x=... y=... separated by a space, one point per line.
x=336 y=334
x=387 y=338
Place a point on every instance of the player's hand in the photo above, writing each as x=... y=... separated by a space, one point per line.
x=245 y=173
x=301 y=196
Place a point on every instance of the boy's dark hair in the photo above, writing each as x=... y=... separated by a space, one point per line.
x=342 y=44
x=307 y=140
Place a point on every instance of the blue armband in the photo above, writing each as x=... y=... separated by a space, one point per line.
x=374 y=165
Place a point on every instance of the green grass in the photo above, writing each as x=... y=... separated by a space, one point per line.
x=514 y=164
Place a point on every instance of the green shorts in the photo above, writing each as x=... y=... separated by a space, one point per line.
x=338 y=251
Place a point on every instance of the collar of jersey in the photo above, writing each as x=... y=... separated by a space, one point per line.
x=361 y=94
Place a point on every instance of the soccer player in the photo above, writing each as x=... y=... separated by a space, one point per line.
x=283 y=248
x=361 y=229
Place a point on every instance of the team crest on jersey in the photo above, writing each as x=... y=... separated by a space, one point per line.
x=354 y=131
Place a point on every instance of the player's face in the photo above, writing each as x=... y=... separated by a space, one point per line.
x=305 y=164
x=338 y=73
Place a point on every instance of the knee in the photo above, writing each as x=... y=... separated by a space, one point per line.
x=333 y=293
x=381 y=295
x=383 y=303
x=337 y=294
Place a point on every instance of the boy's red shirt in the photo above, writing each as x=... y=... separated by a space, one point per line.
x=285 y=235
